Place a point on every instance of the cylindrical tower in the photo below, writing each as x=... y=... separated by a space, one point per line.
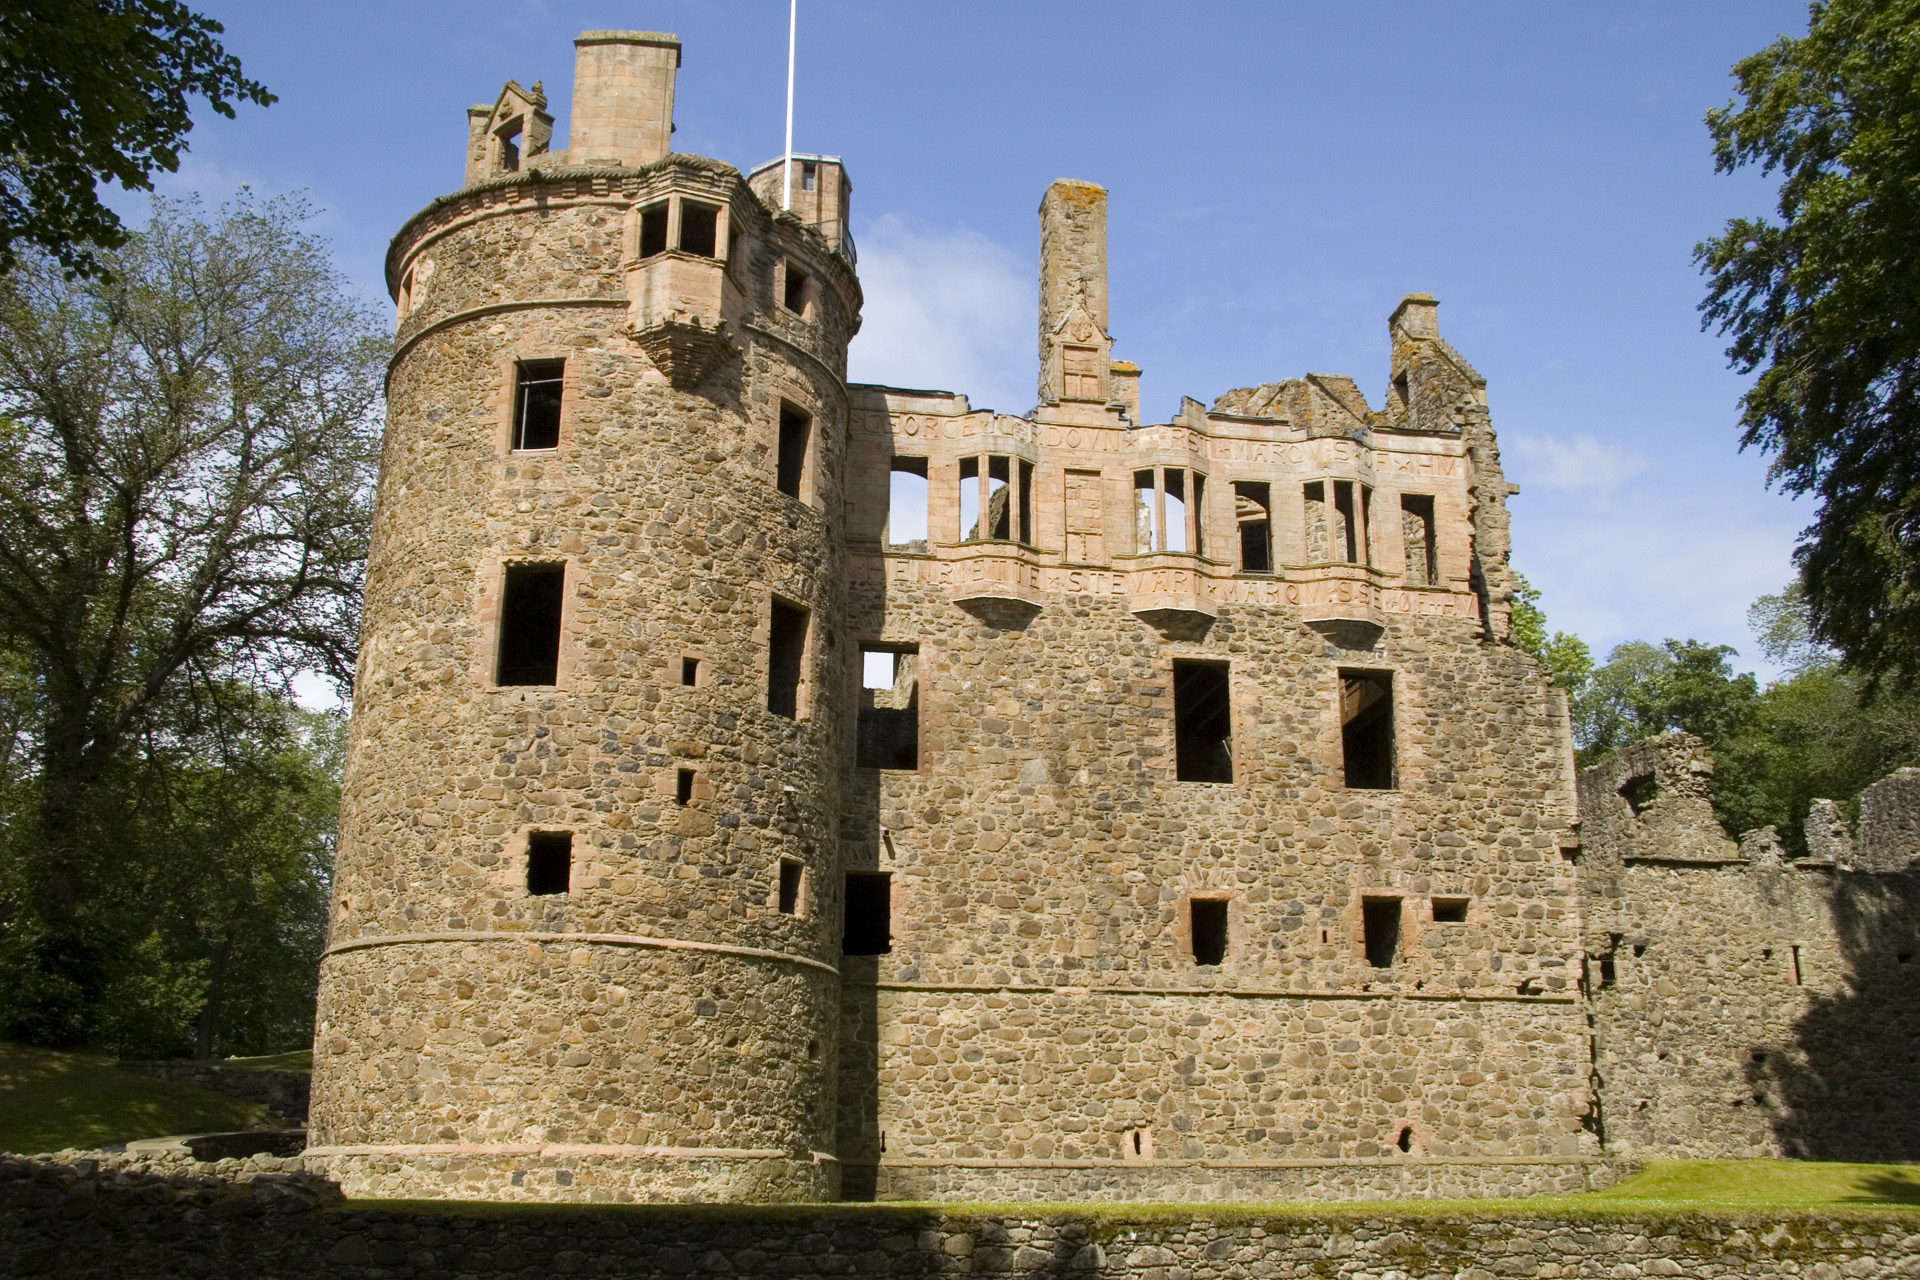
x=586 y=918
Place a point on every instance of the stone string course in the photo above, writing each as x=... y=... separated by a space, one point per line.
x=97 y=1219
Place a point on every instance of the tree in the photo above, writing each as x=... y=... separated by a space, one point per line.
x=91 y=89
x=1825 y=305
x=186 y=463
x=1565 y=656
x=1644 y=689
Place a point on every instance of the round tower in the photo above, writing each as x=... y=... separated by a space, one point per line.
x=586 y=921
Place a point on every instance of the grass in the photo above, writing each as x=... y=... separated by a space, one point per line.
x=291 y=1060
x=50 y=1100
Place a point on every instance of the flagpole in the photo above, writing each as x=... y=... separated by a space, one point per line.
x=786 y=163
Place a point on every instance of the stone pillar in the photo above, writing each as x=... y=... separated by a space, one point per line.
x=1073 y=293
x=623 y=96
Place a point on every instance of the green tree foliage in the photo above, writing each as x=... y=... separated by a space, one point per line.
x=1565 y=656
x=92 y=89
x=186 y=458
x=1825 y=305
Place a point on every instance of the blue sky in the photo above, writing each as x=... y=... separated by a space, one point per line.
x=1280 y=174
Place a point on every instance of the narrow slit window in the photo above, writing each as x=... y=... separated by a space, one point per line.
x=887 y=729
x=549 y=862
x=1319 y=539
x=1146 y=513
x=796 y=429
x=786 y=651
x=699 y=229
x=1208 y=920
x=1345 y=523
x=531 y=598
x=1175 y=489
x=1253 y=512
x=1024 y=487
x=1202 y=722
x=794 y=297
x=683 y=787
x=689 y=671
x=999 y=498
x=1366 y=729
x=969 y=499
x=653 y=230
x=1416 y=530
x=1380 y=917
x=1197 y=514
x=536 y=403
x=789 y=901
x=907 y=504
x=809 y=175
x=868 y=929
x=1799 y=970
x=1450 y=910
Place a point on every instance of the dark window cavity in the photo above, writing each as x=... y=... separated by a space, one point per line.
x=796 y=428
x=789 y=887
x=683 y=787
x=1366 y=729
x=809 y=175
x=1405 y=1142
x=786 y=650
x=887 y=734
x=869 y=913
x=1202 y=722
x=549 y=861
x=795 y=296
x=907 y=504
x=653 y=230
x=536 y=404
x=1639 y=791
x=1450 y=910
x=1381 y=918
x=689 y=671
x=699 y=229
x=530 y=602
x=1416 y=529
x=510 y=151
x=1253 y=511
x=1208 y=918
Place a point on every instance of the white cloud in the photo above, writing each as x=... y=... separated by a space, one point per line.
x=1578 y=464
x=947 y=309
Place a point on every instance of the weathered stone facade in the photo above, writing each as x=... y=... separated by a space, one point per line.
x=764 y=787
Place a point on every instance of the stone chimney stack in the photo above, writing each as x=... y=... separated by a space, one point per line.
x=623 y=96
x=1074 y=344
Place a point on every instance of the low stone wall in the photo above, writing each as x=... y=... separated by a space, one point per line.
x=282 y=1092
x=117 y=1219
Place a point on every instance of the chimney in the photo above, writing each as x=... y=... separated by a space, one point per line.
x=622 y=96
x=1073 y=279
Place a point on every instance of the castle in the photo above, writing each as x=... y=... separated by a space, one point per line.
x=765 y=787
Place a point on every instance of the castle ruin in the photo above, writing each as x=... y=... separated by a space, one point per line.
x=765 y=787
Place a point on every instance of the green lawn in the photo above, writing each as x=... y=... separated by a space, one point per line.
x=291 y=1060
x=50 y=1100
x=1761 y=1184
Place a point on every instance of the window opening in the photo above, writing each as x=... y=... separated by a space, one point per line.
x=1164 y=519
x=789 y=887
x=549 y=862
x=907 y=504
x=887 y=732
x=683 y=787
x=536 y=403
x=1208 y=917
x=1253 y=511
x=1318 y=546
x=868 y=930
x=510 y=149
x=1639 y=791
x=699 y=229
x=1405 y=1142
x=786 y=647
x=1001 y=501
x=1202 y=722
x=1086 y=540
x=796 y=427
x=530 y=607
x=689 y=671
x=1174 y=497
x=1346 y=522
x=795 y=296
x=1450 y=910
x=1366 y=729
x=653 y=230
x=1381 y=919
x=969 y=499
x=809 y=175
x=1024 y=489
x=999 y=510
x=1401 y=389
x=735 y=242
x=1799 y=973
x=1416 y=530
x=1146 y=513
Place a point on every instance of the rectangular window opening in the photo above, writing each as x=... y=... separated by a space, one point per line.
x=1174 y=487
x=510 y=151
x=1450 y=910
x=1366 y=729
x=969 y=499
x=1319 y=546
x=786 y=651
x=795 y=295
x=869 y=911
x=809 y=175
x=1198 y=518
x=536 y=403
x=653 y=230
x=1253 y=511
x=907 y=504
x=689 y=671
x=789 y=887
x=1345 y=544
x=699 y=229
x=1146 y=513
x=1208 y=917
x=1380 y=917
x=549 y=862
x=683 y=787
x=1416 y=530
x=999 y=497
x=1202 y=722
x=796 y=428
x=1025 y=487
x=1799 y=973
x=887 y=732
x=530 y=607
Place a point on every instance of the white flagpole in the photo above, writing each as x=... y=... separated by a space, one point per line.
x=786 y=163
